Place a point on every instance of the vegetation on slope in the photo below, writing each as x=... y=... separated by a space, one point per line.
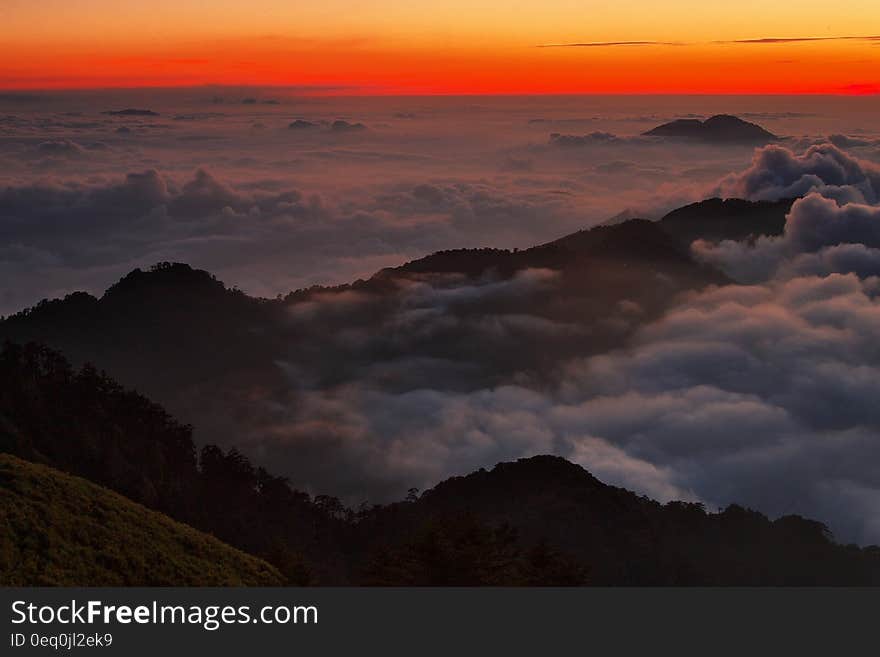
x=60 y=530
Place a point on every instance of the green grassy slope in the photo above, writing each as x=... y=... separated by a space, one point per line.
x=60 y=530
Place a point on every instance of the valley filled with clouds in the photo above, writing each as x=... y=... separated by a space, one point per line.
x=718 y=371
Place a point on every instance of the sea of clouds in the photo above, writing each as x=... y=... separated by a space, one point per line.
x=761 y=392
x=218 y=179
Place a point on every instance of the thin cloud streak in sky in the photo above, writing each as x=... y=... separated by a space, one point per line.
x=772 y=40
x=755 y=41
x=609 y=44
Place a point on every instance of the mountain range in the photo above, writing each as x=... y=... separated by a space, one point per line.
x=202 y=357
x=182 y=317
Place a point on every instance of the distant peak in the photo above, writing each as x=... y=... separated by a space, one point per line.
x=723 y=128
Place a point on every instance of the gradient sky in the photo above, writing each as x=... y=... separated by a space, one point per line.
x=459 y=46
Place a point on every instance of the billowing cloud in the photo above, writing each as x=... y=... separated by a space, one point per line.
x=768 y=379
x=777 y=172
x=835 y=227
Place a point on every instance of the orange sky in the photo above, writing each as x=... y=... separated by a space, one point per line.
x=481 y=46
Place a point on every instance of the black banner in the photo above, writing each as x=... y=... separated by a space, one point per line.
x=435 y=621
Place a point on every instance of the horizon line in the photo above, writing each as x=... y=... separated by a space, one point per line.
x=853 y=90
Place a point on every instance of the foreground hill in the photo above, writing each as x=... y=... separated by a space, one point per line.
x=60 y=530
x=721 y=128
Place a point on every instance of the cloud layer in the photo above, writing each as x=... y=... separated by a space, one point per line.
x=761 y=392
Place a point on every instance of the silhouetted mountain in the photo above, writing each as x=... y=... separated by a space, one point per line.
x=540 y=520
x=721 y=128
x=59 y=530
x=718 y=219
x=636 y=242
x=628 y=241
x=618 y=537
x=167 y=331
x=633 y=243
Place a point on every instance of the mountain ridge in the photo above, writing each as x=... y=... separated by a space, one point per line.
x=714 y=219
